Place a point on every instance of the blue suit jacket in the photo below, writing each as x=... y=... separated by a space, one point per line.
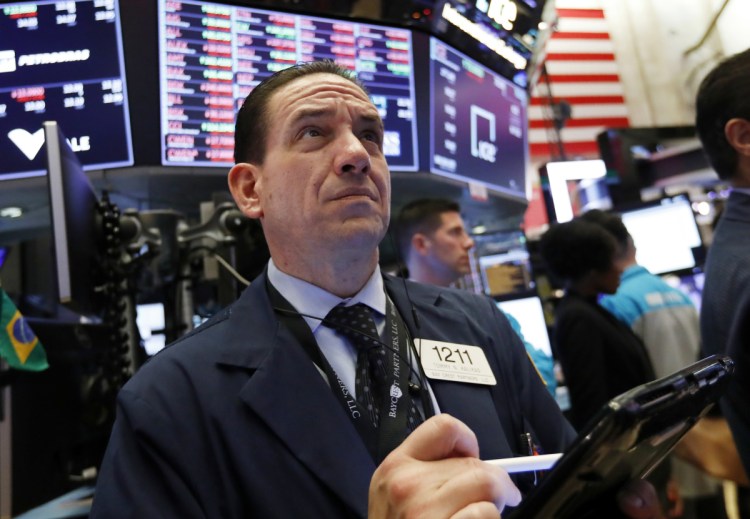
x=725 y=312
x=234 y=420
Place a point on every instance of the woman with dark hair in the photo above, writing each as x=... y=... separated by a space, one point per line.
x=600 y=356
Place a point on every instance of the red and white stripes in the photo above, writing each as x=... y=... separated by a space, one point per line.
x=582 y=70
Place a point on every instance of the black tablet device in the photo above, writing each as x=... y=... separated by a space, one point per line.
x=626 y=440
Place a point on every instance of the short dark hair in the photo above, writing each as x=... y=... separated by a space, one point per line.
x=252 y=118
x=612 y=223
x=421 y=216
x=723 y=95
x=572 y=249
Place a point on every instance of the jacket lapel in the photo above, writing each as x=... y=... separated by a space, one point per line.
x=289 y=393
x=471 y=403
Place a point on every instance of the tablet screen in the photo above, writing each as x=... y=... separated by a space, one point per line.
x=626 y=440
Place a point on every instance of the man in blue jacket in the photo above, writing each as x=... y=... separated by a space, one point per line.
x=275 y=407
x=723 y=123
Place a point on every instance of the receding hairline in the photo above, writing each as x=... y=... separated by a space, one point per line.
x=342 y=82
x=311 y=111
x=337 y=80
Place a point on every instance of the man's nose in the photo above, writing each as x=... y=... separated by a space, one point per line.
x=353 y=157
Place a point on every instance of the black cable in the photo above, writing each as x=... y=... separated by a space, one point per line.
x=709 y=30
x=213 y=252
x=554 y=131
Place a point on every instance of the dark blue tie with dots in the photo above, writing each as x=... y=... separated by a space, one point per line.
x=356 y=324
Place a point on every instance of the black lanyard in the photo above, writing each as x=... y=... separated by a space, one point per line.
x=393 y=408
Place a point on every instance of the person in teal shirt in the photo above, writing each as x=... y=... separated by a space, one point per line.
x=544 y=363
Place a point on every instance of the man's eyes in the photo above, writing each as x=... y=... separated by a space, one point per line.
x=373 y=136
x=311 y=132
x=367 y=135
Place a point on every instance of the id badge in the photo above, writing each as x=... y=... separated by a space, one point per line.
x=455 y=362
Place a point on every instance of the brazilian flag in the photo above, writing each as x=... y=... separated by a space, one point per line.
x=18 y=345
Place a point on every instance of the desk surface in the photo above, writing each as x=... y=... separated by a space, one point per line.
x=73 y=504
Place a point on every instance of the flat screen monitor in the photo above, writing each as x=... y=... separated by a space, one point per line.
x=504 y=263
x=62 y=61
x=654 y=156
x=666 y=235
x=151 y=323
x=478 y=123
x=529 y=313
x=573 y=187
x=73 y=206
x=212 y=55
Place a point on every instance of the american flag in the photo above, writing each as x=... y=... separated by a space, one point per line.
x=581 y=67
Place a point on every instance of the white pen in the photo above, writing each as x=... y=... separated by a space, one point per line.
x=526 y=463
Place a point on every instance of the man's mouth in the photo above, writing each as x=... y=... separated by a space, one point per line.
x=354 y=193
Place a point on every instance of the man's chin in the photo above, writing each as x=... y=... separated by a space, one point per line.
x=359 y=233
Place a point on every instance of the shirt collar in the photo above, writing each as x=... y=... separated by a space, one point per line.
x=312 y=300
x=744 y=190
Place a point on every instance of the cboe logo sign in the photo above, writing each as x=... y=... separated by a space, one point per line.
x=480 y=148
x=503 y=12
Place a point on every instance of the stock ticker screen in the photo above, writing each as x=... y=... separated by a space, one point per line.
x=213 y=55
x=62 y=61
x=478 y=123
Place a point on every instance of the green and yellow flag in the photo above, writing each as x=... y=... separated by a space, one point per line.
x=18 y=345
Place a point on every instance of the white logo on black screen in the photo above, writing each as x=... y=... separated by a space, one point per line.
x=481 y=148
x=28 y=143
x=31 y=143
x=7 y=61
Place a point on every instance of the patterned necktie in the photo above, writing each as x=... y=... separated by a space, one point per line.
x=356 y=324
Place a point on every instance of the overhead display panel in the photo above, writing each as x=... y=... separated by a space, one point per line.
x=478 y=123
x=507 y=35
x=212 y=56
x=62 y=61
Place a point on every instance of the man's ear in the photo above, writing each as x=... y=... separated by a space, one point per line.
x=737 y=132
x=420 y=243
x=245 y=184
